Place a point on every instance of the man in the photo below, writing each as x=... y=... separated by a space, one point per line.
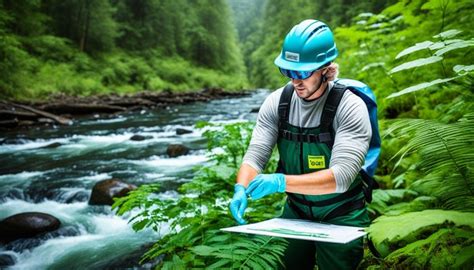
x=321 y=179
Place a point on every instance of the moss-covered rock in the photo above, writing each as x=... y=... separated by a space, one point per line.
x=450 y=248
x=389 y=233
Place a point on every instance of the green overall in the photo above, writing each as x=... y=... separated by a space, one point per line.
x=301 y=153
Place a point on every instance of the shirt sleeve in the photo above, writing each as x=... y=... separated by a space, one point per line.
x=351 y=143
x=265 y=133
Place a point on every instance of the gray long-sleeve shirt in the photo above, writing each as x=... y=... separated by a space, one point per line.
x=351 y=123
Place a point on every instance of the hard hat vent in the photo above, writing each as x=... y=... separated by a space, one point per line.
x=317 y=29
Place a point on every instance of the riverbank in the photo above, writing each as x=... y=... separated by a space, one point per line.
x=62 y=109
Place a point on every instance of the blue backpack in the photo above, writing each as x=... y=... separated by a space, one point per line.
x=327 y=133
x=367 y=95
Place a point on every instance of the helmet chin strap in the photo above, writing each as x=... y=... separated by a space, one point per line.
x=323 y=80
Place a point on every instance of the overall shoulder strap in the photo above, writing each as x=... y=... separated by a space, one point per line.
x=329 y=112
x=284 y=104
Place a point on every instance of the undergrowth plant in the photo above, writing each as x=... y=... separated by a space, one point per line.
x=189 y=225
x=417 y=56
x=429 y=223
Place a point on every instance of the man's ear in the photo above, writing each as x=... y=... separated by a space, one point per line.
x=324 y=77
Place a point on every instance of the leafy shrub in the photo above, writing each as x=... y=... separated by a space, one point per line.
x=194 y=239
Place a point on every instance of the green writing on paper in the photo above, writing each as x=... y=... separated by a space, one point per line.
x=292 y=232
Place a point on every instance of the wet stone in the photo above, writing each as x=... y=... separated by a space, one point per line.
x=25 y=225
x=28 y=243
x=51 y=145
x=181 y=131
x=176 y=150
x=137 y=137
x=104 y=191
x=6 y=260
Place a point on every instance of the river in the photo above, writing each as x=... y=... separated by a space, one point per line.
x=59 y=180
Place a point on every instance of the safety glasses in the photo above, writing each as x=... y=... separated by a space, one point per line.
x=293 y=74
x=301 y=75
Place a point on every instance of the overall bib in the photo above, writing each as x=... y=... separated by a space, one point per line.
x=301 y=151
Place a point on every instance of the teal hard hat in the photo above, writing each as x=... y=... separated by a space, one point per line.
x=308 y=46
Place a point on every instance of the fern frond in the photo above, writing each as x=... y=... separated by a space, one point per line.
x=243 y=252
x=446 y=157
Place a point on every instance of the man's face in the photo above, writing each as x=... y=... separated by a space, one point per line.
x=306 y=88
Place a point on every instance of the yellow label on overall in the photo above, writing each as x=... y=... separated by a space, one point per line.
x=316 y=162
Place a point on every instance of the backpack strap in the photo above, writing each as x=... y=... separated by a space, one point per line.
x=284 y=105
x=284 y=115
x=329 y=112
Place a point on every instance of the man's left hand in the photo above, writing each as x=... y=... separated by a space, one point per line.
x=265 y=184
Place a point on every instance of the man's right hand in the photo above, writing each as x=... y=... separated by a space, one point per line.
x=239 y=204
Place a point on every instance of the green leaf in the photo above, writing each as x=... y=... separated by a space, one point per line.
x=417 y=47
x=455 y=46
x=420 y=87
x=448 y=34
x=437 y=45
x=140 y=225
x=445 y=159
x=388 y=232
x=203 y=250
x=373 y=65
x=219 y=264
x=462 y=69
x=416 y=63
x=441 y=44
x=219 y=238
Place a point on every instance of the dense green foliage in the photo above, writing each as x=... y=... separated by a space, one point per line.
x=87 y=47
x=422 y=71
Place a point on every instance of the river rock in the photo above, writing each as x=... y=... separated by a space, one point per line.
x=175 y=150
x=51 y=145
x=26 y=225
x=104 y=191
x=137 y=137
x=6 y=260
x=181 y=131
x=23 y=244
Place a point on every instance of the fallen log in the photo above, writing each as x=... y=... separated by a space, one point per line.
x=131 y=102
x=9 y=115
x=75 y=109
x=59 y=119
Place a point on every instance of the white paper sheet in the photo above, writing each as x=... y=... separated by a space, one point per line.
x=301 y=229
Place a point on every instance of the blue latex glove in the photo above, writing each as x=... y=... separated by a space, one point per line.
x=239 y=204
x=265 y=184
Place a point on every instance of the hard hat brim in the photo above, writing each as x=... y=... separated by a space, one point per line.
x=300 y=66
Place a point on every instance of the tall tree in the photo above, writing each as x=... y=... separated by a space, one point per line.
x=212 y=36
x=147 y=24
x=27 y=18
x=89 y=23
x=248 y=19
